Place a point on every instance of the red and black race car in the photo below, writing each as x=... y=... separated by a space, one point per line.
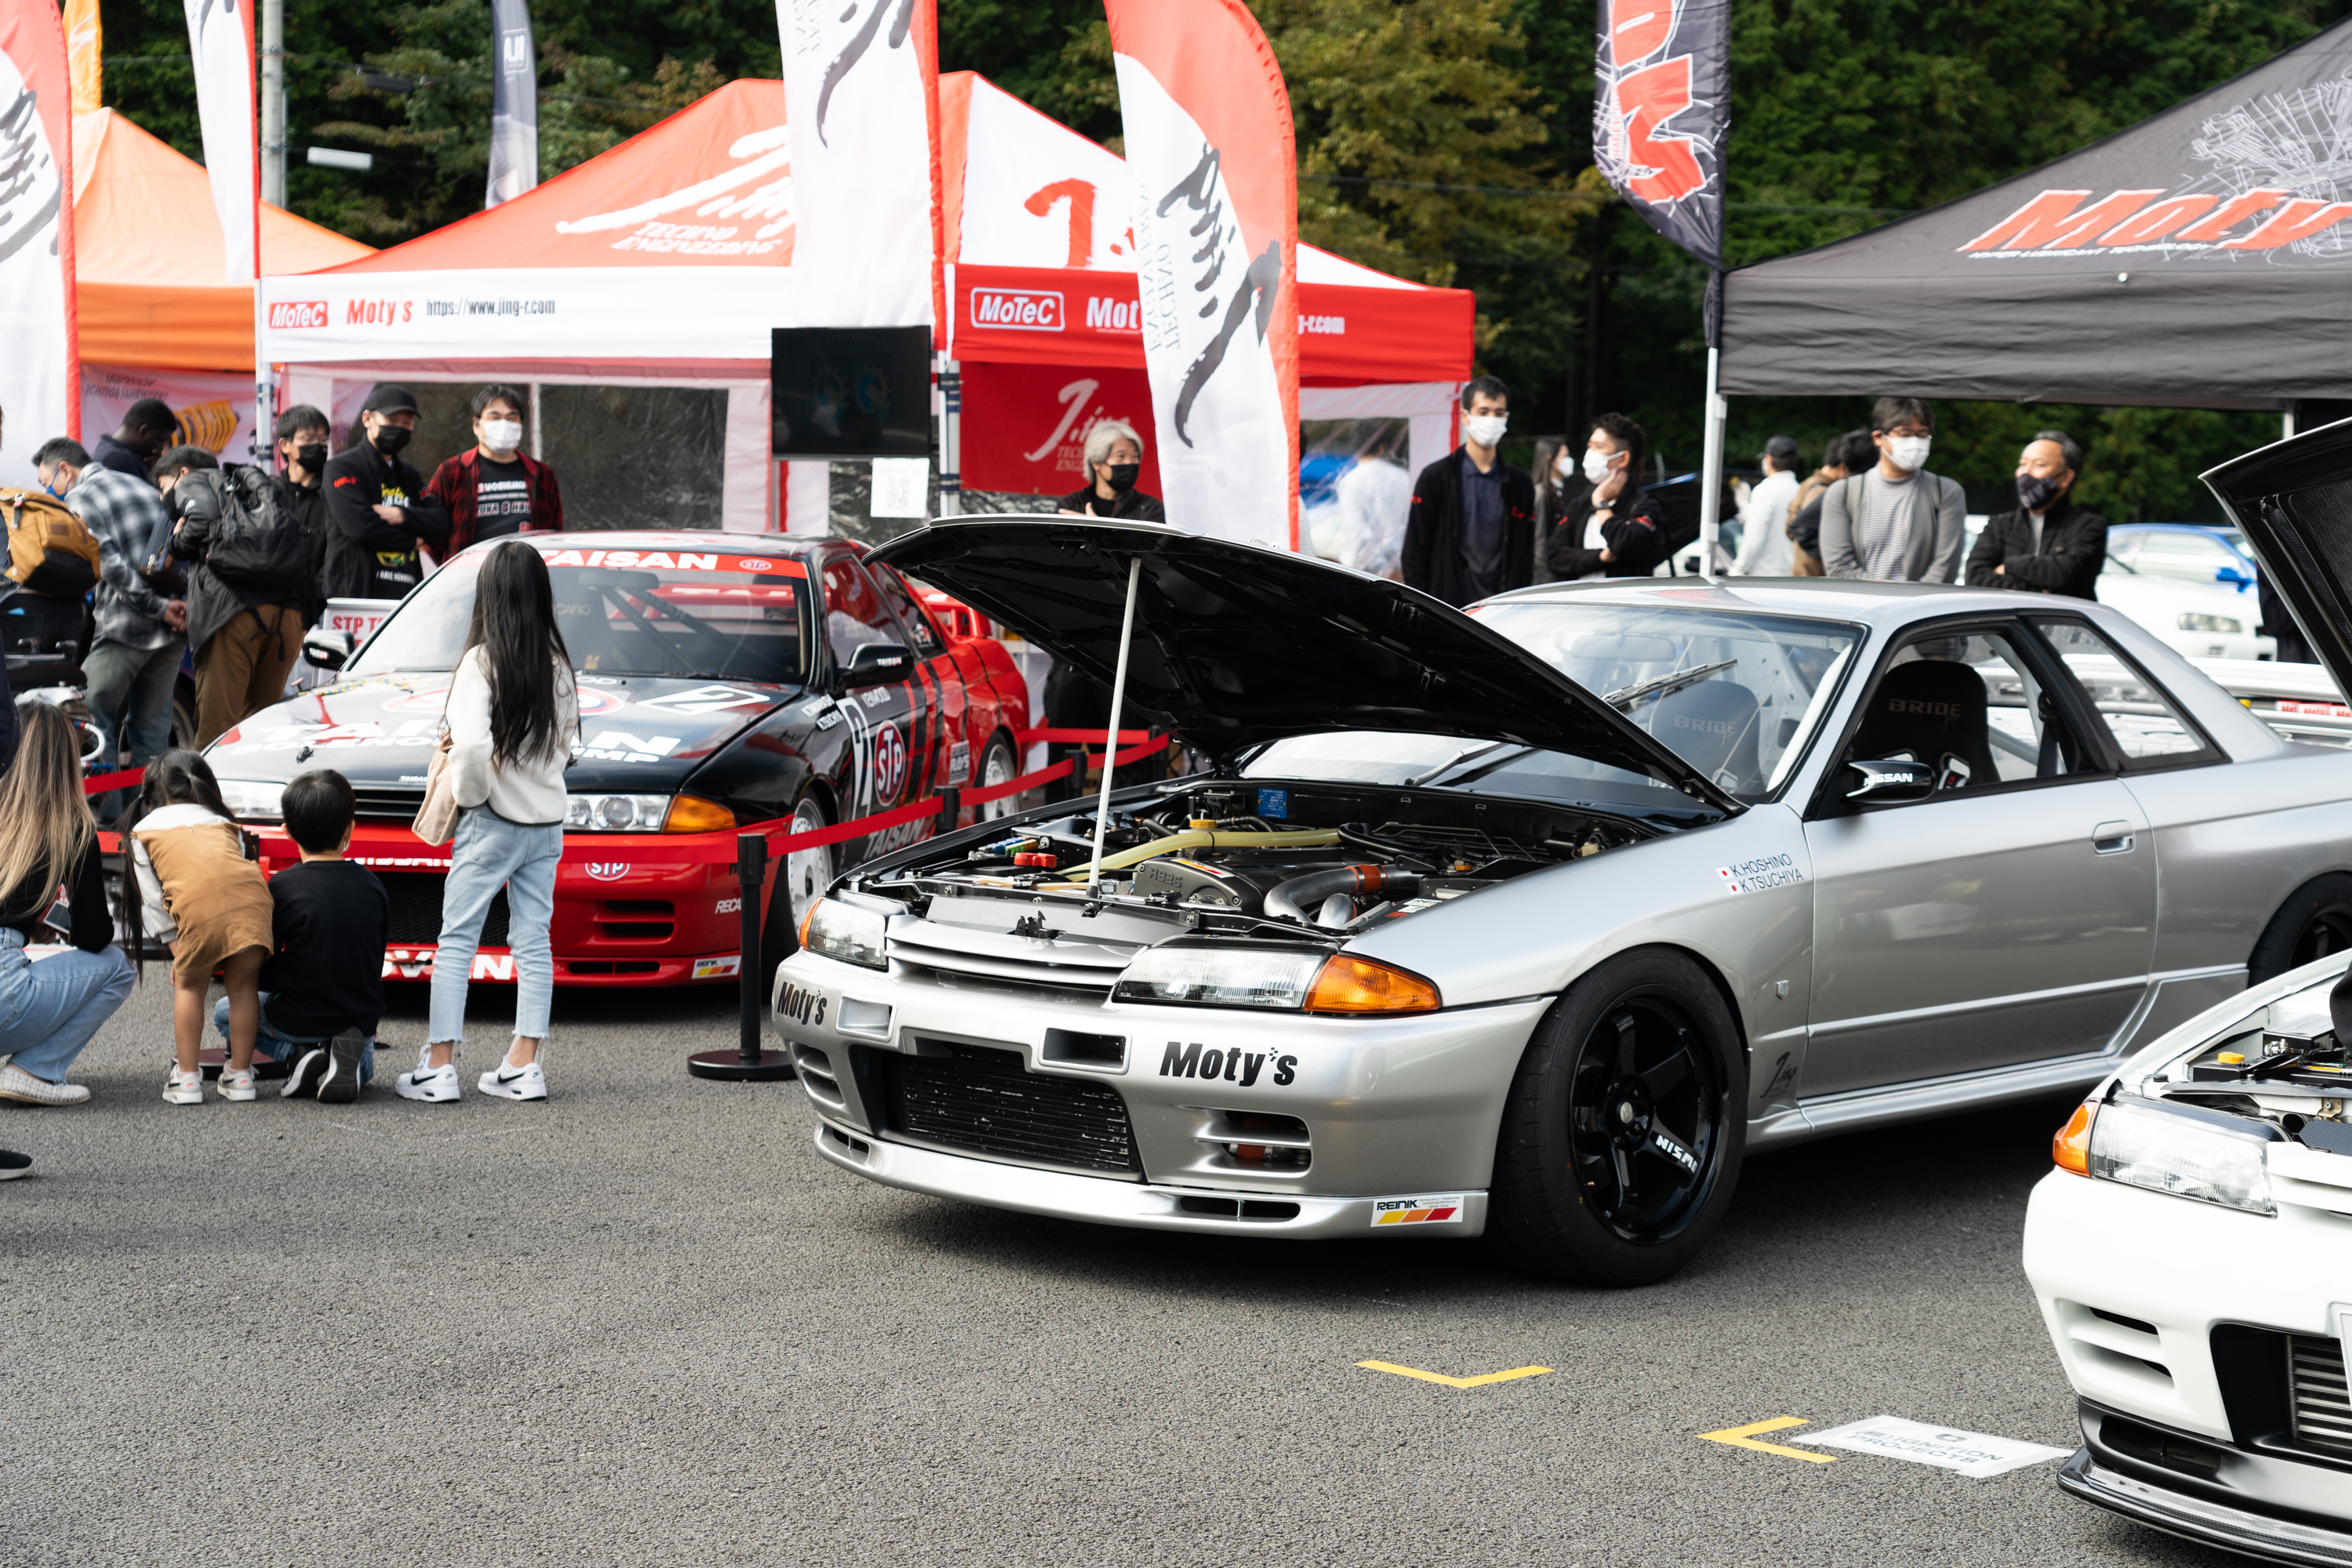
x=726 y=681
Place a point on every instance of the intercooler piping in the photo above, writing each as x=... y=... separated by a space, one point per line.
x=1205 y=838
x=1287 y=900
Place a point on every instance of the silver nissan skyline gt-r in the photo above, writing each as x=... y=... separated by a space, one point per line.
x=1530 y=922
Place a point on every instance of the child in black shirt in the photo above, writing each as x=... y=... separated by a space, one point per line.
x=323 y=991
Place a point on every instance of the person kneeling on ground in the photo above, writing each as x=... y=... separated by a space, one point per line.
x=54 y=1006
x=322 y=989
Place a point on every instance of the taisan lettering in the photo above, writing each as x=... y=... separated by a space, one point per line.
x=1236 y=1066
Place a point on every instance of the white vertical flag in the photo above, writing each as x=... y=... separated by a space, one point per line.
x=39 y=373
x=514 y=104
x=220 y=42
x=861 y=96
x=1216 y=224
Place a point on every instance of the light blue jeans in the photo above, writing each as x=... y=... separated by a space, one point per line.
x=50 y=1007
x=490 y=852
x=279 y=1047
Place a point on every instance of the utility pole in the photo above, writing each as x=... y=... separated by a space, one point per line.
x=273 y=102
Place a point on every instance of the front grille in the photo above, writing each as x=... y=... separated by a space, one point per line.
x=417 y=910
x=975 y=1100
x=964 y=954
x=389 y=803
x=2323 y=1412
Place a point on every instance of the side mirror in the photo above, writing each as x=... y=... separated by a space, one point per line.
x=328 y=650
x=1890 y=781
x=876 y=663
x=2231 y=575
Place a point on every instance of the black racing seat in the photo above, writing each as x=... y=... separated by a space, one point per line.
x=1933 y=710
x=1712 y=726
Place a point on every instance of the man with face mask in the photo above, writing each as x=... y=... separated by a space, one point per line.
x=2048 y=545
x=1612 y=529
x=1471 y=531
x=377 y=512
x=494 y=488
x=1895 y=522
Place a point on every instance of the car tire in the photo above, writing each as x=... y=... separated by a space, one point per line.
x=803 y=874
x=1639 y=1058
x=2314 y=921
x=997 y=765
x=183 y=716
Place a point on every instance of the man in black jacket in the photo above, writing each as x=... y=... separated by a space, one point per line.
x=1614 y=529
x=2048 y=545
x=146 y=429
x=377 y=510
x=1471 y=529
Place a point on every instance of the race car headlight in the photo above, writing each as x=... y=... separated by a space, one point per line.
x=615 y=813
x=2185 y=1153
x=254 y=800
x=1272 y=978
x=854 y=935
x=2197 y=621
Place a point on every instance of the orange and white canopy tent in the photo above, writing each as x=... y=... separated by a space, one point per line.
x=154 y=319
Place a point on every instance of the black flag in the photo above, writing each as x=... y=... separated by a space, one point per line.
x=514 y=104
x=1661 y=105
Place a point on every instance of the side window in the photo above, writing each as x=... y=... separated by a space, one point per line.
x=2148 y=728
x=1972 y=709
x=854 y=611
x=925 y=636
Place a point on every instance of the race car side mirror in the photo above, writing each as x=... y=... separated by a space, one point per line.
x=876 y=663
x=1887 y=782
x=328 y=650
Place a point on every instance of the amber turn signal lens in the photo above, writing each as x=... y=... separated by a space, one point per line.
x=1347 y=984
x=803 y=932
x=692 y=814
x=2071 y=1150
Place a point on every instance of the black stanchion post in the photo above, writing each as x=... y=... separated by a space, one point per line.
x=748 y=1063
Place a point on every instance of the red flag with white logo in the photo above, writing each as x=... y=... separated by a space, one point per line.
x=39 y=372
x=1207 y=122
x=1659 y=115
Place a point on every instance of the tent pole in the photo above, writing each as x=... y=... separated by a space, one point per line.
x=1111 y=736
x=2286 y=425
x=1710 y=483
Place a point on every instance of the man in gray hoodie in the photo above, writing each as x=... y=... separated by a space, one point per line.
x=1895 y=522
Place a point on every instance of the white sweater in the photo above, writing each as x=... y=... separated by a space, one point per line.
x=531 y=793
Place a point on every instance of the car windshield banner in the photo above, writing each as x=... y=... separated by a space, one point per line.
x=1661 y=104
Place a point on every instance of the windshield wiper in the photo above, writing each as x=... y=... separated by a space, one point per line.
x=1464 y=755
x=1626 y=697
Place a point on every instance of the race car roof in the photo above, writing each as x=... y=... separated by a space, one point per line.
x=2293 y=498
x=1237 y=643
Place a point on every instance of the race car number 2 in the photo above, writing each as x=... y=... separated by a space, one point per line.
x=802 y=1006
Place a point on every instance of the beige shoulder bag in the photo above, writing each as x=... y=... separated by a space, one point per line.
x=436 y=819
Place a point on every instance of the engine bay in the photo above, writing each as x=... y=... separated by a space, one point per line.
x=1216 y=856
x=2282 y=1064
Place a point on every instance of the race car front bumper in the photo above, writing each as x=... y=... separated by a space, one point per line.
x=2147 y=1491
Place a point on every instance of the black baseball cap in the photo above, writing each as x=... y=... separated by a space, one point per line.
x=389 y=397
x=1781 y=448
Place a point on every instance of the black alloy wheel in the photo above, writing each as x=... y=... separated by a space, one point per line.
x=1622 y=1139
x=2315 y=922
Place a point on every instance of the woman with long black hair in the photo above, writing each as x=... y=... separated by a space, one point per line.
x=513 y=716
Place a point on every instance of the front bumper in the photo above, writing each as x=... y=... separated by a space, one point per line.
x=2150 y=1496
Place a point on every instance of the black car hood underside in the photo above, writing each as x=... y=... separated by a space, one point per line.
x=1236 y=645
x=2293 y=498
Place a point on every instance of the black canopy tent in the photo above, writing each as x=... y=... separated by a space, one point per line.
x=2202 y=258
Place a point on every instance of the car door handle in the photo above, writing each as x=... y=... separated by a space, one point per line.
x=2112 y=839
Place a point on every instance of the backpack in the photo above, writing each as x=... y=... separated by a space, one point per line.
x=50 y=551
x=254 y=543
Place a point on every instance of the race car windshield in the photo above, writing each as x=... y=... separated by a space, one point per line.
x=655 y=613
x=1738 y=697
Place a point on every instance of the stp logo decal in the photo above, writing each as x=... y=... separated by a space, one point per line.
x=1028 y=309
x=889 y=764
x=291 y=313
x=608 y=870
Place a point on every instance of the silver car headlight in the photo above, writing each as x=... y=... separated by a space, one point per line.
x=614 y=813
x=254 y=800
x=1220 y=976
x=841 y=931
x=2196 y=621
x=2177 y=1149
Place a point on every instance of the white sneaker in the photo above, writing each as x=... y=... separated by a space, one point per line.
x=183 y=1088
x=425 y=1082
x=514 y=1083
x=237 y=1086
x=17 y=1084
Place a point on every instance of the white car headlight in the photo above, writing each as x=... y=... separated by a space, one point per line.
x=254 y=800
x=1220 y=976
x=614 y=813
x=845 y=932
x=2180 y=1151
x=2196 y=621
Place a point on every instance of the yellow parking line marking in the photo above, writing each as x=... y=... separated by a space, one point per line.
x=1481 y=1380
x=1745 y=1438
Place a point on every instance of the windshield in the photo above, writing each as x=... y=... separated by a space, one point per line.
x=1738 y=696
x=700 y=615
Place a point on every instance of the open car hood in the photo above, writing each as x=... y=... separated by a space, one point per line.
x=2293 y=498
x=1236 y=645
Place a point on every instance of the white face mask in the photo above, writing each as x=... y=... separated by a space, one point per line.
x=1596 y=464
x=1485 y=429
x=1562 y=465
x=501 y=435
x=1909 y=452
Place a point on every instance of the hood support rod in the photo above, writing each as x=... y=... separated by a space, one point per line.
x=1117 y=701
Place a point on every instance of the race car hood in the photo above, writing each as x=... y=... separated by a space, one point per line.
x=1236 y=645
x=640 y=735
x=2293 y=498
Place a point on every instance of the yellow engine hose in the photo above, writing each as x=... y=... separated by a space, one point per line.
x=1203 y=838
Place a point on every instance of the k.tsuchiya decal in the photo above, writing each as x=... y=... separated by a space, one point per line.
x=1443 y=1210
x=1758 y=875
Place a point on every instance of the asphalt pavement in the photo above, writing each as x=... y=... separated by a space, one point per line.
x=645 y=1323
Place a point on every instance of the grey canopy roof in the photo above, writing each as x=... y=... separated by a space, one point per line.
x=2202 y=258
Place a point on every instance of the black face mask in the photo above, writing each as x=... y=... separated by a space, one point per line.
x=313 y=457
x=1124 y=475
x=2035 y=493
x=390 y=438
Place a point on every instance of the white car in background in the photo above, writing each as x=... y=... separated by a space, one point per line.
x=2196 y=620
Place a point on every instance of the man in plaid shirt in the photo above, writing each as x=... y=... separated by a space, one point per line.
x=135 y=659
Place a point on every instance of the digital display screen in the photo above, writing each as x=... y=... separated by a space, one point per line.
x=852 y=391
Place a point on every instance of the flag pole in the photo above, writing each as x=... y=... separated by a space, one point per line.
x=1710 y=483
x=1110 y=735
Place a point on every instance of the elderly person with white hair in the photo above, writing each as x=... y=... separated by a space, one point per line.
x=1114 y=460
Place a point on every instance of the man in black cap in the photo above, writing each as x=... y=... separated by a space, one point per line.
x=147 y=427
x=377 y=510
